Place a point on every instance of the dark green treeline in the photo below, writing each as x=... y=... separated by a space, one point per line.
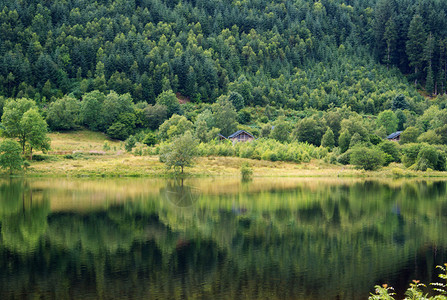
x=295 y=54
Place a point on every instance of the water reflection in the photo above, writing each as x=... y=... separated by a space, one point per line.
x=217 y=239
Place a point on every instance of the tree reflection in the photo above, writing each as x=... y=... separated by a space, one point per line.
x=316 y=241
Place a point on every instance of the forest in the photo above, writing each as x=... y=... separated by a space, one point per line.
x=321 y=77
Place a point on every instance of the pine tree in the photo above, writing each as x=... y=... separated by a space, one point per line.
x=328 y=139
x=429 y=83
x=390 y=37
x=416 y=41
x=428 y=57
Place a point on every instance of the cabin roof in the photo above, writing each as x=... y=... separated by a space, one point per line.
x=240 y=132
x=394 y=135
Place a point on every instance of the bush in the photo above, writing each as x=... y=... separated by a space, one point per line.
x=40 y=157
x=130 y=143
x=106 y=146
x=391 y=150
x=409 y=135
x=118 y=131
x=410 y=152
x=10 y=155
x=429 y=137
x=430 y=158
x=150 y=139
x=246 y=171
x=367 y=158
x=344 y=158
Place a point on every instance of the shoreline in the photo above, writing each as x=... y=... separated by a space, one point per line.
x=128 y=165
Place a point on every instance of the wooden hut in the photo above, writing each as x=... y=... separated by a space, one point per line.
x=394 y=137
x=241 y=136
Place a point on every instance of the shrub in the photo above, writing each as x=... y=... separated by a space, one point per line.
x=130 y=143
x=246 y=171
x=328 y=139
x=40 y=157
x=430 y=158
x=150 y=139
x=429 y=137
x=409 y=135
x=410 y=152
x=118 y=131
x=367 y=158
x=391 y=150
x=10 y=155
x=106 y=146
x=344 y=158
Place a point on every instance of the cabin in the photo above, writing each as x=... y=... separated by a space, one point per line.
x=221 y=137
x=394 y=137
x=241 y=136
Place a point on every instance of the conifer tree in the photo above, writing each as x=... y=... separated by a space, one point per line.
x=416 y=41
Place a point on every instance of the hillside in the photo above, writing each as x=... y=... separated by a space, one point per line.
x=292 y=54
x=296 y=74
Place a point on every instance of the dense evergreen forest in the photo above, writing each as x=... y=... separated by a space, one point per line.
x=283 y=69
x=295 y=54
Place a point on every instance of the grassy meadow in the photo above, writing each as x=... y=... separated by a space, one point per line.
x=82 y=154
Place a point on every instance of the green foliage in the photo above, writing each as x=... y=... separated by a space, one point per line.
x=264 y=149
x=106 y=146
x=429 y=137
x=244 y=116
x=155 y=115
x=113 y=106
x=356 y=140
x=344 y=140
x=21 y=120
x=176 y=125
x=90 y=111
x=34 y=130
x=130 y=143
x=345 y=158
x=416 y=42
x=375 y=139
x=415 y=290
x=367 y=158
x=12 y=115
x=388 y=120
x=410 y=154
x=237 y=100
x=63 y=114
x=225 y=116
x=328 y=139
x=118 y=131
x=280 y=131
x=150 y=139
x=169 y=99
x=266 y=130
x=399 y=102
x=409 y=135
x=10 y=157
x=180 y=153
x=392 y=151
x=309 y=130
x=246 y=171
x=430 y=158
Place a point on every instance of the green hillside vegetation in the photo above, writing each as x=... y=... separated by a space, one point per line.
x=308 y=79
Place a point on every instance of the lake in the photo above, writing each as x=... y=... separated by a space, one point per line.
x=219 y=238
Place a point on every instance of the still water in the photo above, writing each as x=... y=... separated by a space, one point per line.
x=217 y=238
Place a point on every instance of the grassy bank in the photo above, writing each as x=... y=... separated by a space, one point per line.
x=82 y=153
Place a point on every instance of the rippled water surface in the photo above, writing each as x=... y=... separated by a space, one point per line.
x=217 y=238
